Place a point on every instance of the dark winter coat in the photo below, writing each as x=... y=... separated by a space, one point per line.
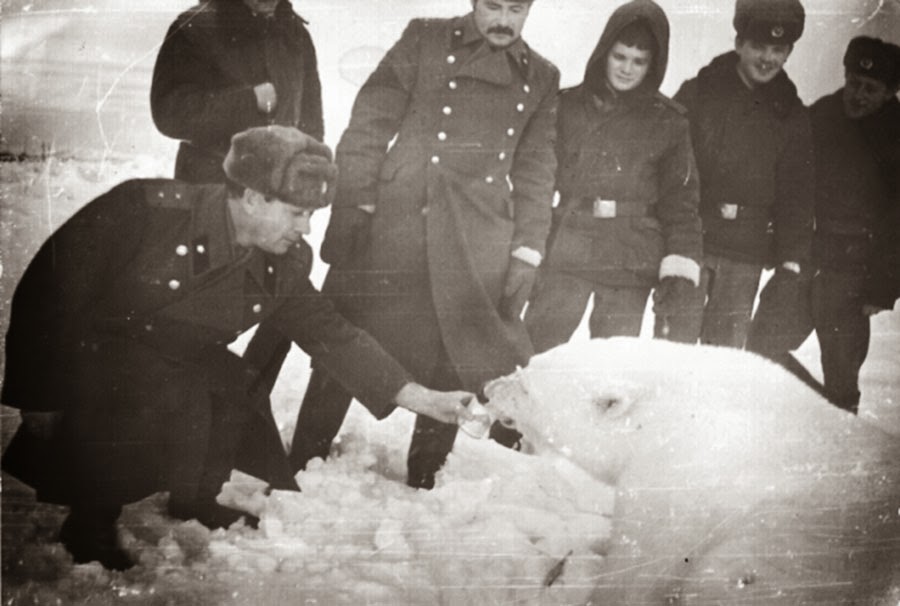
x=121 y=322
x=753 y=150
x=633 y=148
x=857 y=193
x=468 y=179
x=212 y=57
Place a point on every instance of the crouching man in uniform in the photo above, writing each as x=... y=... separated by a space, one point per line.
x=627 y=218
x=120 y=326
x=856 y=138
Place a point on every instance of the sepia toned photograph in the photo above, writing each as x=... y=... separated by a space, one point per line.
x=458 y=302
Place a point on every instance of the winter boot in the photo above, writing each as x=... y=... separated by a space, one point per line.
x=90 y=535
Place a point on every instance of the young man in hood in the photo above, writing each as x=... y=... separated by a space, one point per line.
x=856 y=138
x=627 y=217
x=753 y=147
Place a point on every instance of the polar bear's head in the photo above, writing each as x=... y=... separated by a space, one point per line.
x=611 y=403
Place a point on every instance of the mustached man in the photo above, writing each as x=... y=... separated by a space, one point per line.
x=442 y=211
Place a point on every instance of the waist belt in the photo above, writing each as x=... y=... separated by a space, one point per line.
x=612 y=209
x=732 y=212
x=839 y=228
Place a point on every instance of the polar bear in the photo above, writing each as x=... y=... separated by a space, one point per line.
x=735 y=483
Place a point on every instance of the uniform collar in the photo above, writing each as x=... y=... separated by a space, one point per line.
x=213 y=245
x=464 y=33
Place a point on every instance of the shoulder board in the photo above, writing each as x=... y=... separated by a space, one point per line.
x=672 y=104
x=166 y=193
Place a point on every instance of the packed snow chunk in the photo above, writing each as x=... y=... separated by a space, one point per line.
x=735 y=483
x=499 y=527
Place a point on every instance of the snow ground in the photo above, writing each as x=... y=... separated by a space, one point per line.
x=496 y=526
x=490 y=533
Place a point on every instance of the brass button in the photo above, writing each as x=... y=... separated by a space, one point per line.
x=501 y=156
x=181 y=250
x=520 y=107
x=257 y=308
x=174 y=284
x=489 y=179
x=447 y=110
x=526 y=88
x=451 y=59
x=435 y=159
x=452 y=84
x=510 y=131
x=442 y=136
x=201 y=249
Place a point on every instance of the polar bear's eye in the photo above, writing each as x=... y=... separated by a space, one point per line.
x=613 y=405
x=606 y=404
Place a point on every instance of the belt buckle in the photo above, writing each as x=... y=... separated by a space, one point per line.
x=604 y=209
x=728 y=211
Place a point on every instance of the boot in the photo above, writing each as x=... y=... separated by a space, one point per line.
x=90 y=535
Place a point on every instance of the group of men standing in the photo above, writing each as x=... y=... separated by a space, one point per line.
x=443 y=227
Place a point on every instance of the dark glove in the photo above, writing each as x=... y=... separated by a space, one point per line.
x=347 y=235
x=672 y=296
x=520 y=279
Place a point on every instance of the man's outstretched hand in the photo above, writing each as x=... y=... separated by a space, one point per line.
x=443 y=406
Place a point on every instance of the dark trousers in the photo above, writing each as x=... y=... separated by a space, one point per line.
x=559 y=301
x=790 y=308
x=725 y=296
x=325 y=405
x=141 y=423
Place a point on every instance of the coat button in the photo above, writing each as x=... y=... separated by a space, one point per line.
x=489 y=179
x=435 y=159
x=442 y=136
x=257 y=308
x=270 y=269
x=178 y=195
x=181 y=250
x=510 y=131
x=161 y=194
x=520 y=107
x=452 y=84
x=457 y=32
x=501 y=156
x=526 y=88
x=451 y=59
x=148 y=327
x=201 y=249
x=447 y=110
x=174 y=284
x=424 y=210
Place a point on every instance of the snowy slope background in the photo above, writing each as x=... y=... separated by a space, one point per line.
x=75 y=87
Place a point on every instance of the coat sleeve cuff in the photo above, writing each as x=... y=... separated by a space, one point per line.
x=528 y=255
x=677 y=266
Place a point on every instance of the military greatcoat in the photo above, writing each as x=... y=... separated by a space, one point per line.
x=468 y=179
x=121 y=322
